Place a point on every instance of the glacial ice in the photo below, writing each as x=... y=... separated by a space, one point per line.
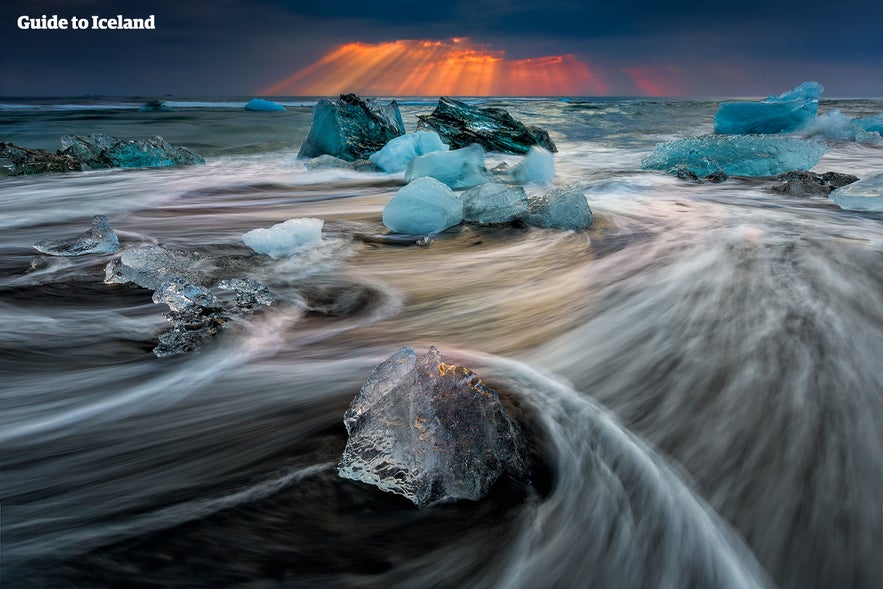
x=493 y=203
x=871 y=124
x=285 y=238
x=260 y=104
x=22 y=161
x=104 y=151
x=398 y=153
x=561 y=208
x=736 y=155
x=836 y=125
x=429 y=431
x=772 y=115
x=181 y=295
x=537 y=167
x=151 y=265
x=460 y=168
x=423 y=206
x=249 y=293
x=351 y=128
x=864 y=195
x=99 y=239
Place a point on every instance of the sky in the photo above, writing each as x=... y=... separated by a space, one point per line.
x=458 y=47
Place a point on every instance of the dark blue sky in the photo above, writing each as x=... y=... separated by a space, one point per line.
x=233 y=47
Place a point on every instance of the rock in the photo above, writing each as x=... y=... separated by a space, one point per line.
x=871 y=124
x=460 y=168
x=687 y=175
x=99 y=239
x=493 y=203
x=736 y=155
x=283 y=239
x=836 y=125
x=803 y=183
x=259 y=104
x=423 y=206
x=398 y=153
x=717 y=177
x=460 y=124
x=864 y=195
x=537 y=167
x=154 y=106
x=562 y=208
x=773 y=115
x=22 y=161
x=351 y=128
x=104 y=151
x=429 y=431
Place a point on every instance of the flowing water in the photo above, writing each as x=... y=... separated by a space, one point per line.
x=700 y=374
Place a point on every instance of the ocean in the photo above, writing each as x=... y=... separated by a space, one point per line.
x=699 y=373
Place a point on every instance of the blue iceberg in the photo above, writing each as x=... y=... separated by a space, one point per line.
x=99 y=239
x=836 y=125
x=864 y=195
x=460 y=168
x=104 y=151
x=351 y=128
x=562 y=208
x=398 y=153
x=285 y=238
x=772 y=115
x=537 y=167
x=259 y=104
x=736 y=155
x=872 y=124
x=423 y=206
x=493 y=203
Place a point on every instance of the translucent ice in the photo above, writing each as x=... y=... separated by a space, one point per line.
x=351 y=128
x=285 y=238
x=460 y=168
x=537 y=167
x=398 y=153
x=871 y=124
x=423 y=206
x=99 y=239
x=772 y=115
x=104 y=151
x=562 y=208
x=181 y=295
x=736 y=155
x=493 y=203
x=836 y=125
x=264 y=105
x=150 y=266
x=249 y=293
x=864 y=195
x=23 y=161
x=428 y=431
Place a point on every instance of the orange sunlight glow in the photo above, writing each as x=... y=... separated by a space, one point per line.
x=664 y=81
x=438 y=68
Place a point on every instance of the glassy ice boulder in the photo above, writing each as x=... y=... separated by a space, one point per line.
x=285 y=238
x=736 y=155
x=561 y=208
x=398 y=153
x=460 y=168
x=423 y=206
x=99 y=239
x=151 y=265
x=351 y=128
x=493 y=203
x=460 y=124
x=260 y=104
x=104 y=151
x=836 y=125
x=429 y=431
x=864 y=195
x=772 y=115
x=537 y=167
x=871 y=124
x=23 y=161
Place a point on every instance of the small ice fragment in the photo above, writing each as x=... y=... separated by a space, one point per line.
x=398 y=153
x=260 y=104
x=561 y=208
x=423 y=206
x=284 y=238
x=537 y=167
x=493 y=203
x=99 y=239
x=864 y=195
x=460 y=168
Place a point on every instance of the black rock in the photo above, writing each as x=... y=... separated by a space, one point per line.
x=460 y=125
x=22 y=161
x=803 y=183
x=689 y=175
x=717 y=177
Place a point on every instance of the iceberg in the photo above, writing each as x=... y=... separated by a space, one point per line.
x=151 y=265
x=460 y=168
x=22 y=161
x=423 y=206
x=429 y=431
x=260 y=104
x=104 y=151
x=772 y=115
x=398 y=153
x=154 y=106
x=803 y=183
x=285 y=238
x=865 y=195
x=350 y=128
x=460 y=124
x=836 y=125
x=871 y=124
x=736 y=155
x=561 y=208
x=537 y=167
x=493 y=203
x=99 y=239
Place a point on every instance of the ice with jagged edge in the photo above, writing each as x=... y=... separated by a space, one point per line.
x=261 y=104
x=181 y=295
x=459 y=168
x=864 y=195
x=537 y=167
x=424 y=206
x=775 y=114
x=283 y=239
x=99 y=239
x=565 y=208
x=151 y=265
x=836 y=125
x=493 y=203
x=398 y=153
x=871 y=124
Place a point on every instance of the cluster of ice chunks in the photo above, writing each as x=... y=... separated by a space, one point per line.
x=565 y=208
x=779 y=114
x=836 y=125
x=104 y=151
x=459 y=168
x=423 y=206
x=537 y=167
x=493 y=203
x=864 y=195
x=284 y=238
x=99 y=239
x=873 y=124
x=736 y=155
x=350 y=128
x=429 y=431
x=398 y=152
x=23 y=161
x=261 y=104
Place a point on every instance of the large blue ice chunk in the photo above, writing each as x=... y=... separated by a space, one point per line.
x=772 y=115
x=423 y=206
x=836 y=125
x=493 y=203
x=864 y=195
x=398 y=153
x=104 y=151
x=871 y=124
x=264 y=105
x=99 y=239
x=537 y=167
x=459 y=168
x=285 y=238
x=736 y=155
x=562 y=208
